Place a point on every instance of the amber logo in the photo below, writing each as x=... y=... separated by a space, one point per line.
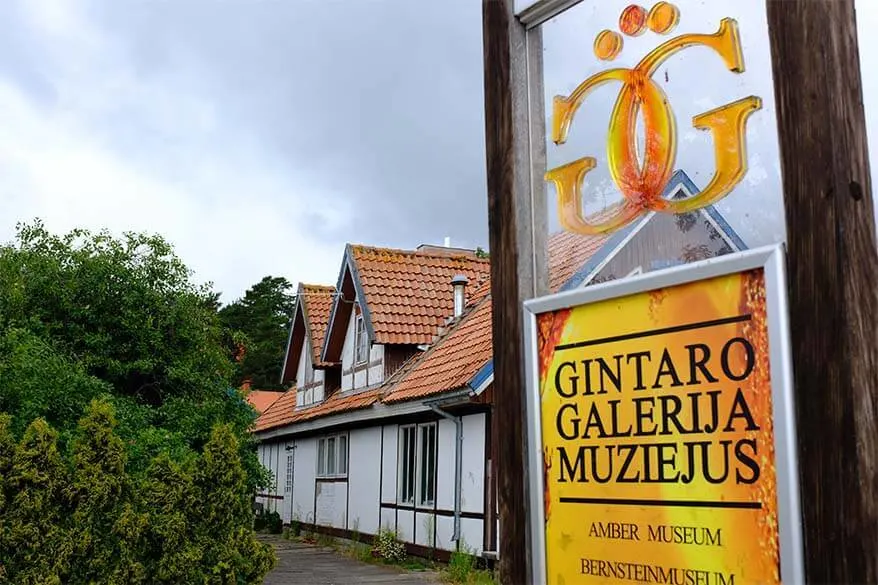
x=642 y=180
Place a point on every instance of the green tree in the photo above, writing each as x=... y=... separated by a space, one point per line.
x=83 y=518
x=7 y=453
x=105 y=529
x=88 y=315
x=124 y=307
x=169 y=495
x=260 y=323
x=33 y=545
x=38 y=381
x=232 y=553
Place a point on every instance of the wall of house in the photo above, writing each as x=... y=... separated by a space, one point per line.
x=356 y=377
x=435 y=526
x=364 y=480
x=368 y=498
x=302 y=508
x=270 y=456
x=309 y=382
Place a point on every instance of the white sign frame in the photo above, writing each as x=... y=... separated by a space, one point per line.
x=771 y=259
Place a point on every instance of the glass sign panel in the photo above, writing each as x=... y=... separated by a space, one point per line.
x=661 y=137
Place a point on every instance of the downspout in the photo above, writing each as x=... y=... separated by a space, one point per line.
x=433 y=405
x=458 y=465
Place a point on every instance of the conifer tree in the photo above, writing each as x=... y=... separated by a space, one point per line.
x=104 y=528
x=34 y=545
x=224 y=522
x=168 y=492
x=7 y=452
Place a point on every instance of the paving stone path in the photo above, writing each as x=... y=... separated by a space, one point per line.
x=306 y=564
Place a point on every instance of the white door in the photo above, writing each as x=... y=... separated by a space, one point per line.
x=290 y=470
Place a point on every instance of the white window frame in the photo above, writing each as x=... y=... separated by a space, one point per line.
x=417 y=485
x=333 y=456
x=361 y=341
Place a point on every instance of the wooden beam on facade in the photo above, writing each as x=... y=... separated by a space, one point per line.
x=833 y=283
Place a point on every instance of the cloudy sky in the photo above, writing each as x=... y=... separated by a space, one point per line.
x=259 y=136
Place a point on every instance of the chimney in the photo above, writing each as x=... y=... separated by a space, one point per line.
x=459 y=283
x=447 y=241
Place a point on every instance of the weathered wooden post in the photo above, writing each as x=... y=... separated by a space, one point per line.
x=833 y=274
x=662 y=149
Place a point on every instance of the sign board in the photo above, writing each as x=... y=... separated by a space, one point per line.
x=654 y=136
x=662 y=420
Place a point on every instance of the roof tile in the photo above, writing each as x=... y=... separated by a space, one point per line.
x=317 y=301
x=409 y=293
x=455 y=357
x=283 y=411
x=568 y=252
x=260 y=400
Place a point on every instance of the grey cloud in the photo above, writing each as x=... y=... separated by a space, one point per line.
x=377 y=102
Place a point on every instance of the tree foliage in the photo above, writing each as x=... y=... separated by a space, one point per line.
x=83 y=518
x=258 y=323
x=87 y=315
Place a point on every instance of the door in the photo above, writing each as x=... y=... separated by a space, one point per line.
x=288 y=482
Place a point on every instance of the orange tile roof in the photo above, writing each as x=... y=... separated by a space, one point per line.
x=455 y=358
x=283 y=411
x=260 y=400
x=408 y=293
x=452 y=361
x=568 y=252
x=317 y=301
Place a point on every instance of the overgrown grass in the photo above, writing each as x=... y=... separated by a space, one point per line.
x=462 y=569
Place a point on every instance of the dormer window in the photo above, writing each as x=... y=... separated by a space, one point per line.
x=361 y=341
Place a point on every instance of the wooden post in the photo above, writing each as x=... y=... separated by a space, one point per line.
x=833 y=279
x=514 y=268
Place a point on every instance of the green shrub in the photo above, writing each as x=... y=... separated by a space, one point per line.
x=269 y=522
x=388 y=547
x=82 y=517
x=34 y=544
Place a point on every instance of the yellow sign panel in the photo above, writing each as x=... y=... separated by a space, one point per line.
x=657 y=437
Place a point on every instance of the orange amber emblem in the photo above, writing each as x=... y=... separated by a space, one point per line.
x=643 y=182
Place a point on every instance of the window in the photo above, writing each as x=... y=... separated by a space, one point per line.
x=428 y=466
x=418 y=464
x=407 y=476
x=342 y=454
x=332 y=456
x=362 y=341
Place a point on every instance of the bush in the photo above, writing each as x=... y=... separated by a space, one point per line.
x=81 y=517
x=388 y=547
x=268 y=521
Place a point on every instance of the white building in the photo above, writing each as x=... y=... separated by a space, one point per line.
x=368 y=435
x=387 y=423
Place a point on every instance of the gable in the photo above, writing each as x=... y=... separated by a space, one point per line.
x=295 y=342
x=308 y=326
x=660 y=240
x=340 y=315
x=405 y=296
